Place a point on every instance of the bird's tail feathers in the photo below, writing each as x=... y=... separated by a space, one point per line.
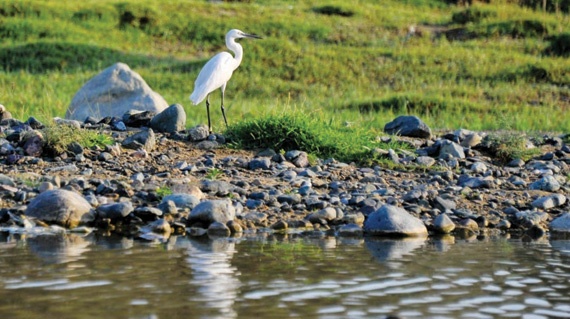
x=196 y=97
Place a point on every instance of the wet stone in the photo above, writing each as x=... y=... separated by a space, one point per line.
x=443 y=224
x=146 y=213
x=115 y=211
x=350 y=230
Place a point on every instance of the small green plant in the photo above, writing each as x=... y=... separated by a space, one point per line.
x=163 y=191
x=214 y=173
x=509 y=144
x=58 y=137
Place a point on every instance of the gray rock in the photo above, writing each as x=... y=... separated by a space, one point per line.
x=168 y=207
x=72 y=123
x=198 y=133
x=105 y=157
x=145 y=140
x=479 y=167
x=207 y=145
x=6 y=180
x=182 y=200
x=391 y=220
x=414 y=195
x=475 y=182
x=444 y=204
x=450 y=149
x=530 y=218
x=350 y=230
x=159 y=226
x=134 y=118
x=61 y=207
x=547 y=183
x=171 y=120
x=443 y=224
x=426 y=161
x=504 y=224
x=517 y=162
x=561 y=223
x=291 y=155
x=219 y=188
x=113 y=92
x=147 y=213
x=290 y=199
x=115 y=211
x=255 y=217
x=471 y=140
x=357 y=219
x=393 y=156
x=328 y=214
x=211 y=211
x=279 y=225
x=235 y=227
x=547 y=202
x=301 y=161
x=34 y=143
x=410 y=126
x=298 y=158
x=260 y=163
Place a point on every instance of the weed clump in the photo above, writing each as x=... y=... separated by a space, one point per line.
x=559 y=45
x=472 y=15
x=333 y=11
x=518 y=29
x=137 y=16
x=508 y=144
x=58 y=138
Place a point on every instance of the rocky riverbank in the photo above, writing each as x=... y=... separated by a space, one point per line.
x=150 y=185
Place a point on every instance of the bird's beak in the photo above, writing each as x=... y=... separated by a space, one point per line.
x=253 y=36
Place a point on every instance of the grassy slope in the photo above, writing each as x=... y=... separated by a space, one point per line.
x=358 y=69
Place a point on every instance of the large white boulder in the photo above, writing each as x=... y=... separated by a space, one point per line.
x=113 y=92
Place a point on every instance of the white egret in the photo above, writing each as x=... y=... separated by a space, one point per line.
x=218 y=71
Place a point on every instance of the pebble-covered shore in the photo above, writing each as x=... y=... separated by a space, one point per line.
x=150 y=185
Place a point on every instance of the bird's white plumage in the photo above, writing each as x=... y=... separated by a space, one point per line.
x=213 y=75
x=218 y=71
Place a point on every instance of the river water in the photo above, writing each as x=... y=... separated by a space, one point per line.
x=282 y=276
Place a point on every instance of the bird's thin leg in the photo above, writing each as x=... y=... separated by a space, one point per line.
x=208 y=110
x=223 y=109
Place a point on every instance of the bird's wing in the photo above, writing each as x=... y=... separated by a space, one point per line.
x=213 y=75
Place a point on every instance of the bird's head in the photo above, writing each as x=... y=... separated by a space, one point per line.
x=238 y=34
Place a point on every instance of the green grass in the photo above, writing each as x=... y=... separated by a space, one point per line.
x=308 y=132
x=59 y=137
x=346 y=63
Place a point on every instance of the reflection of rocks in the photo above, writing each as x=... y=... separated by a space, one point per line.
x=443 y=243
x=384 y=249
x=563 y=246
x=114 y=241
x=213 y=273
x=60 y=248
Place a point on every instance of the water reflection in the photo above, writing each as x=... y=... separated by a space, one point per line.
x=282 y=276
x=213 y=274
x=384 y=249
x=58 y=249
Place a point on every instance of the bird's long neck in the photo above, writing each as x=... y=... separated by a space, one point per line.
x=236 y=49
